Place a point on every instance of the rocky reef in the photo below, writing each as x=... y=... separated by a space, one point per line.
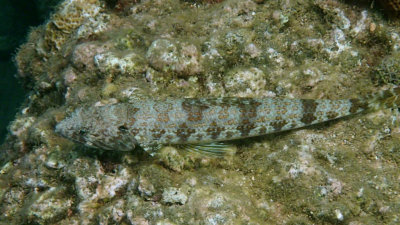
x=99 y=52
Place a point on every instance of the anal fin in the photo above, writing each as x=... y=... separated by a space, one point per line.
x=213 y=149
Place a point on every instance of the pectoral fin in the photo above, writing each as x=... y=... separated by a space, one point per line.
x=214 y=149
x=152 y=149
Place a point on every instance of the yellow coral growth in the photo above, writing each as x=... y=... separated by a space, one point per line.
x=70 y=16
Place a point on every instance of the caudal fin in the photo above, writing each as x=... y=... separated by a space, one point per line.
x=384 y=99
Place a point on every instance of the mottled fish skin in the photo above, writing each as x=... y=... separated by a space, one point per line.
x=152 y=124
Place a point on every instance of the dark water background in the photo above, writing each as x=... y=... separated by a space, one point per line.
x=16 y=17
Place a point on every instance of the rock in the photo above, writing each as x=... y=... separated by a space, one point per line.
x=173 y=196
x=182 y=58
x=50 y=205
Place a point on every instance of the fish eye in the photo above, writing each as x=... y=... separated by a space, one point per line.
x=82 y=131
x=122 y=128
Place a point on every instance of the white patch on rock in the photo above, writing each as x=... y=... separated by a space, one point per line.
x=174 y=195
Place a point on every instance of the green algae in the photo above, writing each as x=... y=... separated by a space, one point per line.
x=388 y=71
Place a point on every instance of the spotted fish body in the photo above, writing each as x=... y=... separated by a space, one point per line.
x=152 y=124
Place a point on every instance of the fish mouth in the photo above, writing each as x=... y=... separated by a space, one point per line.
x=59 y=129
x=64 y=128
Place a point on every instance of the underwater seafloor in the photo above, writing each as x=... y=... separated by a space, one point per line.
x=98 y=52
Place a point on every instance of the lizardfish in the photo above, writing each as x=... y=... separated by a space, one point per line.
x=200 y=121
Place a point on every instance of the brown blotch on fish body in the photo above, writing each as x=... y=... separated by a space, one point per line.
x=194 y=109
x=223 y=113
x=199 y=137
x=332 y=115
x=309 y=108
x=131 y=111
x=163 y=117
x=230 y=122
x=262 y=130
x=157 y=133
x=277 y=125
x=249 y=110
x=214 y=130
x=245 y=129
x=293 y=125
x=184 y=132
x=134 y=131
x=169 y=137
x=229 y=134
x=357 y=105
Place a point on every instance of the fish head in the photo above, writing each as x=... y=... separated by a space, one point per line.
x=98 y=127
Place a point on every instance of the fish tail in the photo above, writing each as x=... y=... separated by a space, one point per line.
x=385 y=99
